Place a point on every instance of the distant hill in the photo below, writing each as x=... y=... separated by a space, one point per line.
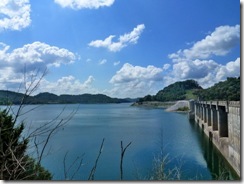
x=178 y=91
x=190 y=89
x=225 y=90
x=182 y=90
x=9 y=97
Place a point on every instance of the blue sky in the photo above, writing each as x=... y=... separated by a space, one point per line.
x=121 y=48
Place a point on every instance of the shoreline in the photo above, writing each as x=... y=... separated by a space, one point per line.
x=170 y=106
x=154 y=104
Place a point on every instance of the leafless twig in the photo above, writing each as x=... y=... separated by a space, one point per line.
x=67 y=171
x=92 y=173
x=122 y=157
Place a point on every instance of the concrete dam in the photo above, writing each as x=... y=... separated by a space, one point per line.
x=220 y=121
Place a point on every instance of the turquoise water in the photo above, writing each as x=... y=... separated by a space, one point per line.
x=149 y=130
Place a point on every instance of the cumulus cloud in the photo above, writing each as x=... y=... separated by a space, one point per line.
x=81 y=4
x=134 y=81
x=218 y=43
x=196 y=63
x=36 y=54
x=166 y=66
x=15 y=14
x=30 y=58
x=206 y=72
x=89 y=81
x=231 y=69
x=194 y=69
x=123 y=41
x=68 y=85
x=132 y=73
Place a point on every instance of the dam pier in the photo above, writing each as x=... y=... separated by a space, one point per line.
x=220 y=121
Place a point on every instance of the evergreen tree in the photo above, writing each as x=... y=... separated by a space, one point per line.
x=14 y=161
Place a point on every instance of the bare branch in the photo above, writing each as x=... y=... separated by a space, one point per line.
x=122 y=157
x=34 y=84
x=47 y=140
x=92 y=173
x=17 y=165
x=36 y=146
x=64 y=163
x=66 y=171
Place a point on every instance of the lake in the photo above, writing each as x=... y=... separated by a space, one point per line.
x=150 y=131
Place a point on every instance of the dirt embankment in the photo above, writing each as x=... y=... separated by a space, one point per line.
x=179 y=106
x=183 y=104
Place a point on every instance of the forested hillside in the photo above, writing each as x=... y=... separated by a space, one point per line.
x=226 y=90
x=9 y=97
x=183 y=90
x=178 y=91
x=190 y=89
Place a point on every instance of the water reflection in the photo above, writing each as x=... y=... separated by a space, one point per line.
x=216 y=163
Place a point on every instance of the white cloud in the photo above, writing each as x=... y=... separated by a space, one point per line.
x=30 y=57
x=218 y=43
x=68 y=85
x=196 y=63
x=81 y=4
x=130 y=73
x=166 y=66
x=206 y=72
x=123 y=41
x=102 y=62
x=15 y=14
x=134 y=81
x=37 y=54
x=89 y=81
x=133 y=36
x=231 y=69
x=134 y=89
x=116 y=63
x=194 y=69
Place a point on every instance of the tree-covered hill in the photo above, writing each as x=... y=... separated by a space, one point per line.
x=190 y=89
x=183 y=90
x=9 y=97
x=178 y=91
x=225 y=90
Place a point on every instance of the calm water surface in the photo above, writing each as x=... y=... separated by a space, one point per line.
x=149 y=130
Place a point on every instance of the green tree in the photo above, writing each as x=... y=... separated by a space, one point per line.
x=15 y=162
x=148 y=98
x=224 y=90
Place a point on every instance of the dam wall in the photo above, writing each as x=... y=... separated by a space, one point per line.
x=220 y=121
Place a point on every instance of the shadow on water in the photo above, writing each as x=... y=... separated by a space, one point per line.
x=216 y=163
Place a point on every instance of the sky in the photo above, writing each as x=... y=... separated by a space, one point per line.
x=121 y=48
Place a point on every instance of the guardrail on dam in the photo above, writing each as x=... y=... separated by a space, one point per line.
x=220 y=120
